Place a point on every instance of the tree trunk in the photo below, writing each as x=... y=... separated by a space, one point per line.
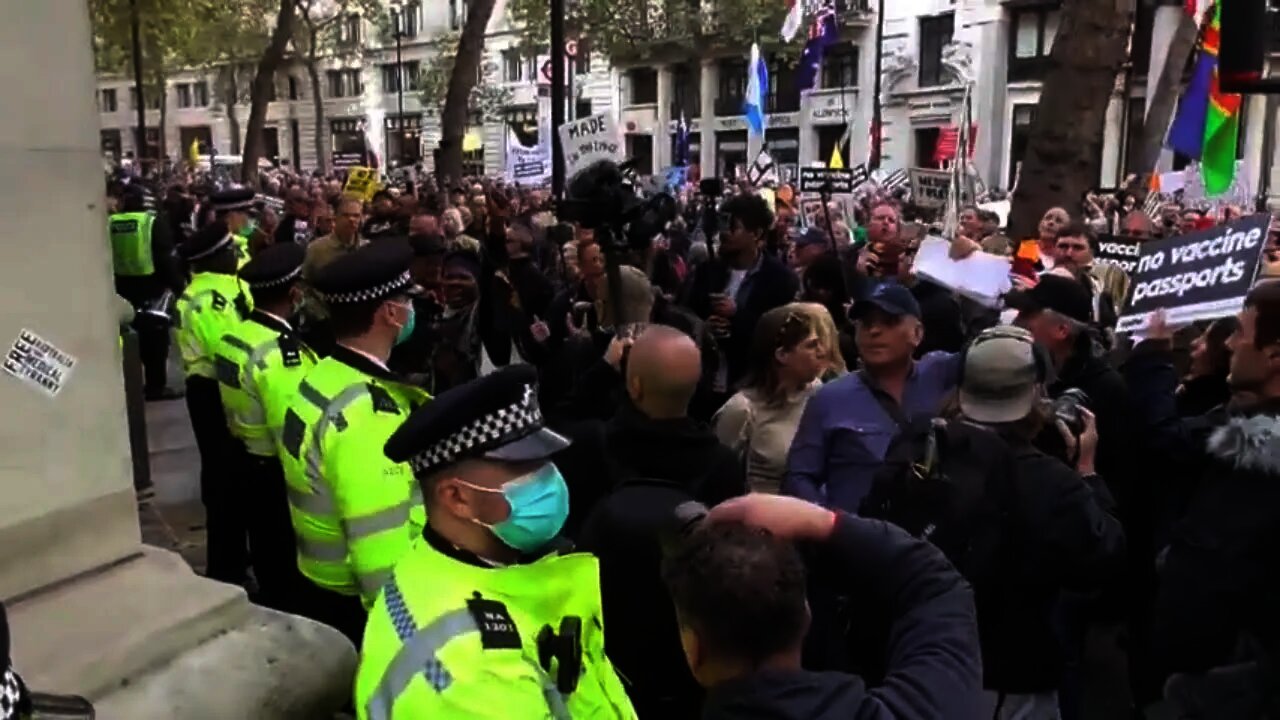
x=317 y=102
x=267 y=65
x=233 y=120
x=1064 y=151
x=466 y=62
x=163 y=93
x=1164 y=100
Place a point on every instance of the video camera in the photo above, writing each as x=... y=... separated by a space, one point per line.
x=602 y=198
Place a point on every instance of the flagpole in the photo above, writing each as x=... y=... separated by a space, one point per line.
x=877 y=132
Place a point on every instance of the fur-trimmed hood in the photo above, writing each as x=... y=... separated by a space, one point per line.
x=1249 y=443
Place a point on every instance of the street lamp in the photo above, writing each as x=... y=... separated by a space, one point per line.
x=398 y=9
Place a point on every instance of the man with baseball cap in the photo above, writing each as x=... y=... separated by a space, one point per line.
x=846 y=427
x=490 y=615
x=1059 y=520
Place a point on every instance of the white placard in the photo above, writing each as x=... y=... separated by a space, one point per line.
x=981 y=276
x=36 y=362
x=527 y=165
x=590 y=140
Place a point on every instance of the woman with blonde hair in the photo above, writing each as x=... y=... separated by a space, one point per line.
x=793 y=348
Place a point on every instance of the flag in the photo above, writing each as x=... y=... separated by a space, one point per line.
x=762 y=170
x=757 y=86
x=949 y=140
x=837 y=162
x=795 y=16
x=1207 y=125
x=682 y=141
x=823 y=33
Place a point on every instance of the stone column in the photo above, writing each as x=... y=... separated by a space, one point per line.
x=1254 y=139
x=1167 y=18
x=708 y=81
x=662 y=128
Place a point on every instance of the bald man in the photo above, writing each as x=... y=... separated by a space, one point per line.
x=663 y=369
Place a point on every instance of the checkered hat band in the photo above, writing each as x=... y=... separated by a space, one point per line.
x=490 y=431
x=378 y=292
x=238 y=205
x=277 y=282
x=213 y=249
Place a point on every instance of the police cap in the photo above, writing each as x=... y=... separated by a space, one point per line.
x=495 y=417
x=376 y=271
x=206 y=241
x=240 y=199
x=273 y=266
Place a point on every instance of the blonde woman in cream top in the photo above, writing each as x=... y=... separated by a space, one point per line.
x=794 y=347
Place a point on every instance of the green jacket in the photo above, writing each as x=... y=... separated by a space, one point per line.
x=451 y=637
x=259 y=365
x=212 y=305
x=354 y=512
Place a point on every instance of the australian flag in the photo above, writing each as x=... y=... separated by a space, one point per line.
x=682 y=141
x=823 y=33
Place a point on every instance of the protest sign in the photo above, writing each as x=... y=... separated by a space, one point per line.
x=1120 y=251
x=929 y=188
x=1197 y=276
x=362 y=182
x=981 y=276
x=813 y=180
x=589 y=140
x=526 y=165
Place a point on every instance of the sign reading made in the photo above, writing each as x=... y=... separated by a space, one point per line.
x=589 y=140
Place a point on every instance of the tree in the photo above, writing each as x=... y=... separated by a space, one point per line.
x=315 y=37
x=1064 y=150
x=462 y=78
x=488 y=95
x=261 y=95
x=1164 y=99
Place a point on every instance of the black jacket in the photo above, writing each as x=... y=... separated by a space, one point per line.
x=1089 y=370
x=1219 y=584
x=1059 y=534
x=650 y=467
x=771 y=286
x=940 y=315
x=934 y=669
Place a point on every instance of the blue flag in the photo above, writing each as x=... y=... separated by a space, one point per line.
x=757 y=86
x=823 y=33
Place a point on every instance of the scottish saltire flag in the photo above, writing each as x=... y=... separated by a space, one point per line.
x=1207 y=125
x=757 y=86
x=682 y=141
x=823 y=33
x=795 y=17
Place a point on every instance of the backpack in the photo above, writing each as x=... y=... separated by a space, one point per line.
x=952 y=483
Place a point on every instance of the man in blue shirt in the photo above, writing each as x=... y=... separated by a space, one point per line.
x=847 y=426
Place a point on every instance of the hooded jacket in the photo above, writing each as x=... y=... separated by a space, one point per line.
x=1220 y=582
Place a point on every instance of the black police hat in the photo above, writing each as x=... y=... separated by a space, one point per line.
x=241 y=199
x=375 y=271
x=273 y=266
x=206 y=241
x=495 y=417
x=1063 y=295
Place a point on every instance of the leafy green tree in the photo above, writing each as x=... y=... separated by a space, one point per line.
x=265 y=77
x=488 y=95
x=466 y=67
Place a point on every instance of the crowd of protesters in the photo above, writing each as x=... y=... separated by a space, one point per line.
x=1119 y=488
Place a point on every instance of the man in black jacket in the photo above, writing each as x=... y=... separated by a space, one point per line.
x=739 y=589
x=649 y=458
x=1215 y=624
x=735 y=288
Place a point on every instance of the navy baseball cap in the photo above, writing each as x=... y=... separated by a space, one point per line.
x=889 y=297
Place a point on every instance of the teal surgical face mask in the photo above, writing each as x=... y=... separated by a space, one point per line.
x=406 y=330
x=539 y=506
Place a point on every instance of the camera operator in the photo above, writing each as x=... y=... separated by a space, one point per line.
x=1056 y=532
x=739 y=588
x=736 y=287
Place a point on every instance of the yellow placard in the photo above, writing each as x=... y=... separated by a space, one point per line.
x=362 y=182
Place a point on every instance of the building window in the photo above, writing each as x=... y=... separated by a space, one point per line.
x=783 y=95
x=406 y=20
x=200 y=94
x=344 y=83
x=513 y=66
x=926 y=146
x=1024 y=116
x=348 y=143
x=395 y=77
x=686 y=97
x=349 y=30
x=153 y=99
x=644 y=86
x=457 y=14
x=581 y=109
x=1133 y=134
x=935 y=34
x=184 y=95
x=840 y=67
x=294 y=94
x=732 y=87
x=109 y=103
x=1033 y=33
x=640 y=151
x=582 y=63
x=404 y=138
x=109 y=142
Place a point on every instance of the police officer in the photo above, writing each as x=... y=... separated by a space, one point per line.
x=489 y=616
x=212 y=304
x=235 y=207
x=354 y=512
x=142 y=253
x=260 y=363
